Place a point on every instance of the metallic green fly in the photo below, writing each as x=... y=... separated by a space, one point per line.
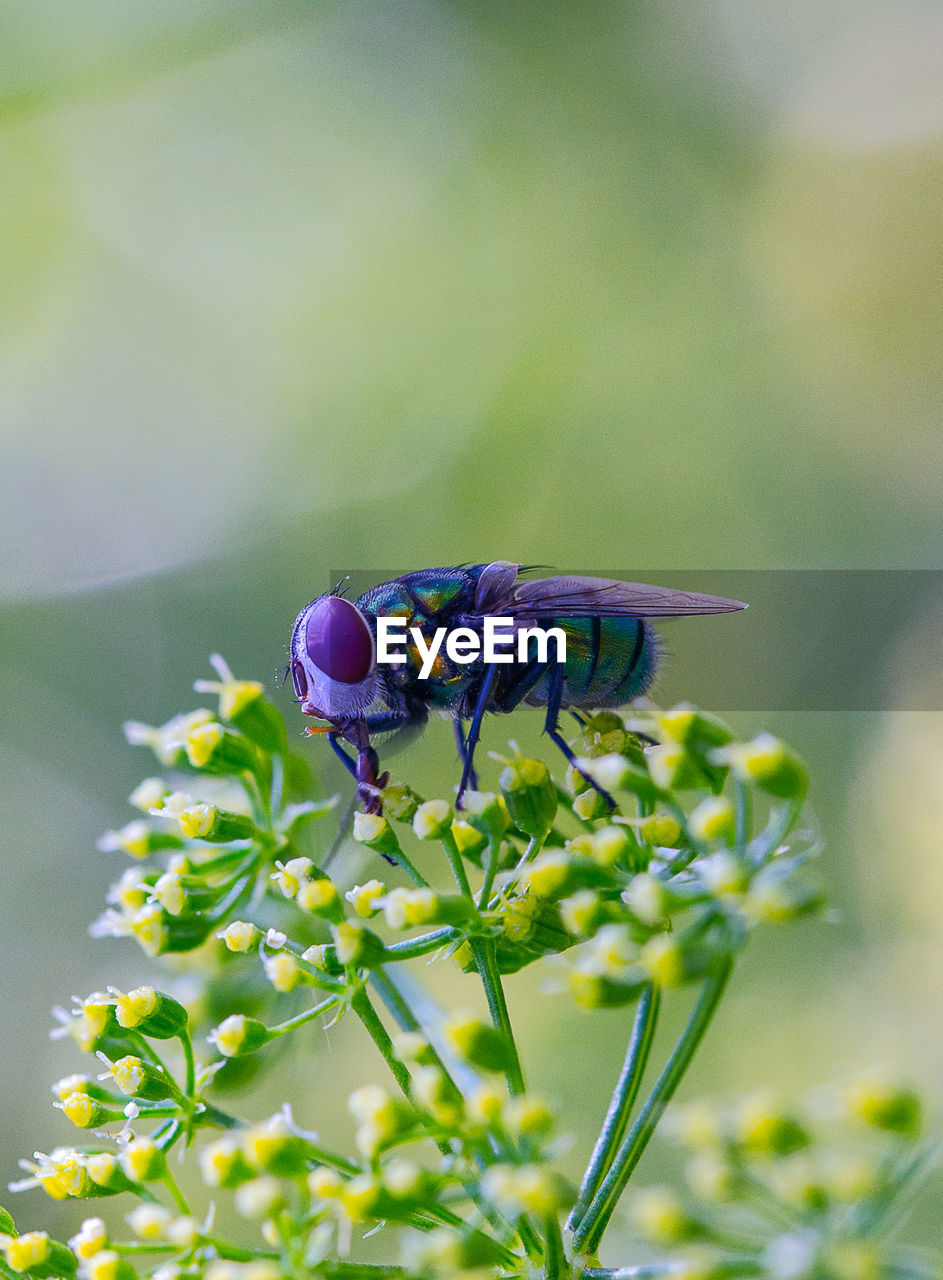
x=611 y=653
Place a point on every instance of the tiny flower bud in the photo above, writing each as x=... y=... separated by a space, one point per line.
x=694 y=729
x=139 y=1079
x=673 y=768
x=325 y=1183
x=151 y=1012
x=469 y=841
x=85 y=1112
x=590 y=804
x=283 y=970
x=724 y=874
x=477 y=1043
x=360 y=1196
x=290 y=875
x=357 y=946
x=240 y=936
x=149 y=1221
x=713 y=819
x=611 y=845
x=412 y=1046
x=769 y=764
x=528 y=1117
x=530 y=796
x=485 y=1106
x=321 y=898
x=148 y=795
x=272 y=1147
x=91 y=1236
x=259 y=1198
x=28 y=1250
x=660 y=1216
x=237 y=1036
x=662 y=958
x=776 y=897
x=400 y=802
x=223 y=1164
x=885 y=1105
x=107 y=1264
x=764 y=1128
x=487 y=813
x=375 y=832
x=437 y=1094
x=646 y=898
x=432 y=820
x=363 y=898
x=143 y=1161
x=660 y=829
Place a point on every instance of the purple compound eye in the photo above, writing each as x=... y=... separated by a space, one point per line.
x=298 y=678
x=338 y=640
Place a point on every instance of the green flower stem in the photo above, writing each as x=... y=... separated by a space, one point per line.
x=623 y=1100
x=486 y=961
x=219 y=1119
x=457 y=863
x=588 y=1231
x=308 y=1015
x=743 y=814
x=422 y=945
x=360 y=1003
x=394 y=999
x=139 y=1246
x=404 y=864
x=491 y=868
x=170 y=1183
x=554 y=1256
x=187 y=1046
x=534 y=845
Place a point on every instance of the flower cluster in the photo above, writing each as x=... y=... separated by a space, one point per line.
x=646 y=869
x=793 y=1193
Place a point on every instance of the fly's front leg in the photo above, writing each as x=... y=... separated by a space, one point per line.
x=365 y=769
x=370 y=782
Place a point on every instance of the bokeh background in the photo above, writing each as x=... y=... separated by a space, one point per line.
x=294 y=287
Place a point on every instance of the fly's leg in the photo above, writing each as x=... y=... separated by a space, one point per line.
x=348 y=763
x=481 y=706
x=551 y=729
x=462 y=749
x=365 y=769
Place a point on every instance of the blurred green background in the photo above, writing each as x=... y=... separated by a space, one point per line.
x=293 y=286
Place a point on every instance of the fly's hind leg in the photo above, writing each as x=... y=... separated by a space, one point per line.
x=552 y=730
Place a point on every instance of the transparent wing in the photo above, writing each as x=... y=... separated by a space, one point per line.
x=605 y=598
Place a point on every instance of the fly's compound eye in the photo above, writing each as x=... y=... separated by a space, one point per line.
x=298 y=678
x=338 y=640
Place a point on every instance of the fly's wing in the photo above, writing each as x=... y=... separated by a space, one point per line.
x=604 y=598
